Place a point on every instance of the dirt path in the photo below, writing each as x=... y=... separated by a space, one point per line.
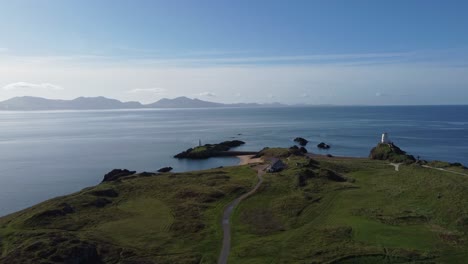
x=396 y=165
x=441 y=169
x=223 y=256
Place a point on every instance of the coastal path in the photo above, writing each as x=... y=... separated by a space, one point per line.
x=441 y=169
x=226 y=223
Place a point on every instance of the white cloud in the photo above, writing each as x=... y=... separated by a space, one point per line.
x=3 y=50
x=207 y=94
x=329 y=83
x=271 y=96
x=31 y=86
x=148 y=90
x=354 y=58
x=237 y=95
x=304 y=95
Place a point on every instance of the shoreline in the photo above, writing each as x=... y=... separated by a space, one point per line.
x=248 y=159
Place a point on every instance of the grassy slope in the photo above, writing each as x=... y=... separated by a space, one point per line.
x=415 y=214
x=170 y=219
x=377 y=216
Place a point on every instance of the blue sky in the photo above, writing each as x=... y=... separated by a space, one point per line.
x=331 y=52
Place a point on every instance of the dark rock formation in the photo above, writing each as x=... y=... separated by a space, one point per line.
x=303 y=176
x=231 y=144
x=303 y=150
x=209 y=150
x=301 y=141
x=165 y=169
x=331 y=175
x=390 y=152
x=106 y=193
x=313 y=164
x=54 y=248
x=64 y=210
x=323 y=145
x=116 y=174
x=99 y=202
x=295 y=150
x=146 y=174
x=47 y=216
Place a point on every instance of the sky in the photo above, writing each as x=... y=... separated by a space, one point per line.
x=296 y=52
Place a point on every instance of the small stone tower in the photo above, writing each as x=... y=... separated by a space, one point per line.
x=385 y=139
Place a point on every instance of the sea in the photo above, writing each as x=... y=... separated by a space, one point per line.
x=51 y=153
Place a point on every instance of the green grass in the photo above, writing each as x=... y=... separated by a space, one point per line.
x=153 y=218
x=171 y=218
x=410 y=215
x=199 y=149
x=300 y=215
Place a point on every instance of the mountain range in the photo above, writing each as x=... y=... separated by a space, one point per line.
x=30 y=103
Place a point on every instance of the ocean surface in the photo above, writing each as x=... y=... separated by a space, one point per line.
x=47 y=154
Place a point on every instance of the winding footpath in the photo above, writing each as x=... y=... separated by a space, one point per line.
x=397 y=168
x=442 y=169
x=226 y=223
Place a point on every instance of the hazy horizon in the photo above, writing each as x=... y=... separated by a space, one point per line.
x=329 y=52
x=235 y=103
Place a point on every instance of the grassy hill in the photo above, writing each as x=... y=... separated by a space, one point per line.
x=326 y=210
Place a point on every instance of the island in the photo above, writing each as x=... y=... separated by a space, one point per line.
x=214 y=150
x=313 y=209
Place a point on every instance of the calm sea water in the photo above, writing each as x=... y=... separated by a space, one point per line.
x=46 y=154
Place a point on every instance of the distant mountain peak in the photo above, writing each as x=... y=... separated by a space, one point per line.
x=183 y=102
x=31 y=103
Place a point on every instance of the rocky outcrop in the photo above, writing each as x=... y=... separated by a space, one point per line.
x=98 y=202
x=390 y=152
x=331 y=175
x=55 y=248
x=116 y=174
x=106 y=193
x=295 y=150
x=45 y=217
x=165 y=169
x=301 y=141
x=323 y=145
x=209 y=150
x=147 y=174
x=303 y=176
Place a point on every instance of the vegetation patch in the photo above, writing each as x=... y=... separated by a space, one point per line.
x=443 y=164
x=405 y=217
x=371 y=259
x=331 y=175
x=47 y=217
x=262 y=221
x=390 y=152
x=105 y=193
x=209 y=150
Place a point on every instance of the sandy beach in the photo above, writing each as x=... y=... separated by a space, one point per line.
x=248 y=159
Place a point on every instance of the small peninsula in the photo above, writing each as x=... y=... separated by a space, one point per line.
x=214 y=150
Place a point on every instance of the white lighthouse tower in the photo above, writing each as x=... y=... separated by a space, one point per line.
x=385 y=139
